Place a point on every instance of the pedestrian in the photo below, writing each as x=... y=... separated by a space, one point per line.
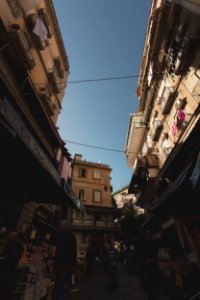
x=65 y=259
x=90 y=260
x=150 y=273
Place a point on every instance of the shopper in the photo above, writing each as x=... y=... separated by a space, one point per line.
x=65 y=259
x=150 y=274
x=90 y=261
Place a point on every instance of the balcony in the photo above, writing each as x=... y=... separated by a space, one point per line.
x=45 y=95
x=101 y=225
x=22 y=45
x=135 y=137
x=58 y=67
x=53 y=80
x=39 y=31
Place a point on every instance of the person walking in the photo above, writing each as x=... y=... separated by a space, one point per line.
x=90 y=260
x=65 y=259
x=150 y=274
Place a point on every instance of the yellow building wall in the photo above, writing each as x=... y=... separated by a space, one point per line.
x=89 y=184
x=44 y=59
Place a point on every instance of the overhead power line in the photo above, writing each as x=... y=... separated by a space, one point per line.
x=116 y=78
x=97 y=147
x=104 y=79
x=91 y=146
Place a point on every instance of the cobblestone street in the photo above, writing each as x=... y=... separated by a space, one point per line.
x=99 y=288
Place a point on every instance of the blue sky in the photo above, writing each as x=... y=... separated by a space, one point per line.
x=102 y=39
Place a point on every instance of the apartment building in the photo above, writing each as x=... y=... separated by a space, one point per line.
x=91 y=182
x=168 y=92
x=35 y=163
x=162 y=145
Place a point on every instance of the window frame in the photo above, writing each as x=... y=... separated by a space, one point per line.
x=96 y=174
x=100 y=194
x=80 y=172
x=81 y=194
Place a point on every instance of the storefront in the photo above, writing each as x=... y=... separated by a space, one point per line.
x=29 y=177
x=176 y=215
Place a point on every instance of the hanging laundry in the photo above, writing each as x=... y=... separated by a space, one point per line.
x=181 y=115
x=174 y=129
x=40 y=30
x=180 y=118
x=166 y=145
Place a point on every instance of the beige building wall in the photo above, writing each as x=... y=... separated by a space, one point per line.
x=100 y=185
x=49 y=67
x=169 y=86
x=33 y=71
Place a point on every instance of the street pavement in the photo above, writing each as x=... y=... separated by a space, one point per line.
x=99 y=288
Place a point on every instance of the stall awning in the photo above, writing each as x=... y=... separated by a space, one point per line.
x=180 y=197
x=28 y=175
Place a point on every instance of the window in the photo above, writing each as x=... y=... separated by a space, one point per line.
x=97 y=174
x=81 y=194
x=156 y=130
x=82 y=172
x=22 y=45
x=97 y=196
x=166 y=100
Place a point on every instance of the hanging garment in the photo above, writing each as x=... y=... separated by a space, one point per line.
x=40 y=30
x=181 y=115
x=174 y=129
x=166 y=145
x=180 y=118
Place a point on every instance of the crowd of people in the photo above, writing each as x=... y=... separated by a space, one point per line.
x=101 y=254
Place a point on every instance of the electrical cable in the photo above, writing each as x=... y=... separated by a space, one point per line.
x=105 y=79
x=97 y=147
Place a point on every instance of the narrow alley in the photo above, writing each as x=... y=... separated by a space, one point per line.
x=127 y=287
x=100 y=150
